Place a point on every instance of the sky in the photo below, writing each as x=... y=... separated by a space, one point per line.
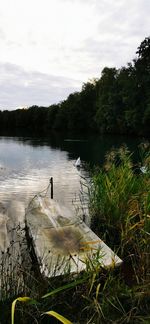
x=49 y=48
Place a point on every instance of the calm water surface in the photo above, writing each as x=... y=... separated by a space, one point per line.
x=27 y=163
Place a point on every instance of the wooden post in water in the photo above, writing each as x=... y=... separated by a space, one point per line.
x=51 y=182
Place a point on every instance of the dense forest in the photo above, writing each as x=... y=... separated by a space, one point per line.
x=118 y=102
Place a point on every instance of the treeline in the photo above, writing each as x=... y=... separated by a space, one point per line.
x=118 y=102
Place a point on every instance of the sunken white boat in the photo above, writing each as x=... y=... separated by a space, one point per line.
x=61 y=241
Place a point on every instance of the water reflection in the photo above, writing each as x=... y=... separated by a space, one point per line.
x=26 y=166
x=27 y=163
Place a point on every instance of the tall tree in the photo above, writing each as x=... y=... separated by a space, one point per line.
x=142 y=66
x=107 y=100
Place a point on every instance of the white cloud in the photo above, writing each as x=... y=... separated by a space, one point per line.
x=22 y=88
x=71 y=39
x=42 y=34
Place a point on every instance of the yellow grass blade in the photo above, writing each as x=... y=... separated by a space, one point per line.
x=90 y=242
x=22 y=299
x=97 y=290
x=87 y=249
x=59 y=317
x=92 y=283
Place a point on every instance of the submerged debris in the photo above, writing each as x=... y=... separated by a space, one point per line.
x=62 y=241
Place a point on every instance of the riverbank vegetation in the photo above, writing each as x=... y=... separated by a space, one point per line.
x=118 y=102
x=119 y=205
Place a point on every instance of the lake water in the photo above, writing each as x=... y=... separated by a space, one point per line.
x=28 y=163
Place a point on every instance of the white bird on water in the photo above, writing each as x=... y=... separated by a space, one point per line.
x=78 y=162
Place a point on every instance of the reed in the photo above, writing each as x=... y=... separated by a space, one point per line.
x=120 y=210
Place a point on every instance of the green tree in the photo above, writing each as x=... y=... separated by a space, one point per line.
x=107 y=101
x=142 y=69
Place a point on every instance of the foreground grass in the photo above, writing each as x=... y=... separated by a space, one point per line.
x=120 y=214
x=120 y=208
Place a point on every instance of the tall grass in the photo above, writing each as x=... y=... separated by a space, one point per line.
x=119 y=198
x=120 y=210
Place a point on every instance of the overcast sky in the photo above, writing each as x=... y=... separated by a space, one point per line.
x=49 y=48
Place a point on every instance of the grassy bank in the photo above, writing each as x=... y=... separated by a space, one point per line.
x=120 y=215
x=120 y=209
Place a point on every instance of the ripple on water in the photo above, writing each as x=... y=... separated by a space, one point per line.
x=27 y=170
